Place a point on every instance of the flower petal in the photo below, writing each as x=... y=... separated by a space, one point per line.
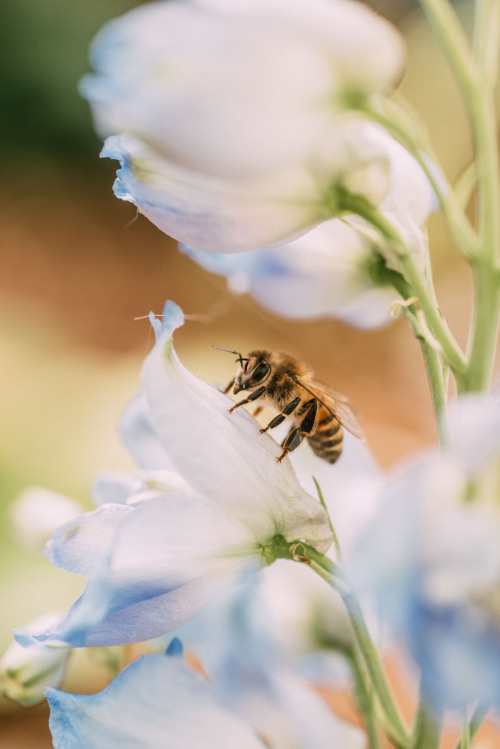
x=207 y=89
x=213 y=214
x=325 y=273
x=139 y=437
x=167 y=558
x=224 y=456
x=155 y=703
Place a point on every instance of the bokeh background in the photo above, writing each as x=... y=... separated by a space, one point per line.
x=77 y=267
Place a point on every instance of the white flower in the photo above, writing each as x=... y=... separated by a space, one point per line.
x=158 y=702
x=37 y=512
x=432 y=558
x=340 y=268
x=152 y=565
x=226 y=144
x=26 y=671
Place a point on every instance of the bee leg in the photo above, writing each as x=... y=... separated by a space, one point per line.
x=226 y=390
x=257 y=411
x=310 y=409
x=252 y=397
x=292 y=441
x=297 y=434
x=281 y=417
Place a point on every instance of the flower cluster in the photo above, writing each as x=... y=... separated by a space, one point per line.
x=264 y=136
x=228 y=147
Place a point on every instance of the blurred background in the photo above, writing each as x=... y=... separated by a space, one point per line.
x=78 y=267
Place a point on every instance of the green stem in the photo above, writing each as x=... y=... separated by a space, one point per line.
x=437 y=325
x=474 y=76
x=483 y=336
x=432 y=359
x=461 y=230
x=486 y=38
x=336 y=542
x=394 y=724
x=475 y=723
x=427 y=728
x=484 y=329
x=435 y=378
x=453 y=42
x=396 y=729
x=364 y=698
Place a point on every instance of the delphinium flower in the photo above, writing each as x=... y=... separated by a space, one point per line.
x=239 y=647
x=226 y=145
x=158 y=701
x=338 y=269
x=154 y=560
x=432 y=559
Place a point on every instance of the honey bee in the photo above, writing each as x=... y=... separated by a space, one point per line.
x=318 y=414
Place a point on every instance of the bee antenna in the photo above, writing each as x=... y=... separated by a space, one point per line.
x=241 y=359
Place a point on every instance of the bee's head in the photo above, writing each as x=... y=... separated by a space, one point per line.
x=254 y=370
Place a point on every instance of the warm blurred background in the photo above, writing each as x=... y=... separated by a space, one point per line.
x=78 y=266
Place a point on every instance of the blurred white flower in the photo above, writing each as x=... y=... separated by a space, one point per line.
x=341 y=268
x=158 y=702
x=26 y=671
x=37 y=512
x=161 y=546
x=329 y=272
x=431 y=556
x=228 y=145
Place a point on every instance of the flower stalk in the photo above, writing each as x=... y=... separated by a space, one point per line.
x=391 y=720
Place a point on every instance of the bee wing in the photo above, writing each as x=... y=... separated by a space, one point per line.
x=338 y=404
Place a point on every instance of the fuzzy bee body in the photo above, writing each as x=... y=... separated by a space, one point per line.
x=317 y=414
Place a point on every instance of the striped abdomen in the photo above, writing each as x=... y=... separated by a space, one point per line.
x=328 y=436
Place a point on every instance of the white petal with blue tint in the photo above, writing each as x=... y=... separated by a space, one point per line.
x=432 y=559
x=156 y=703
x=207 y=89
x=155 y=558
x=328 y=272
x=223 y=454
x=164 y=563
x=25 y=672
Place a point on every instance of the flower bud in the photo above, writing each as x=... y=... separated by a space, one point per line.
x=26 y=671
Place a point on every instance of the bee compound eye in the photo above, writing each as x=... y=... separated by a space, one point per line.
x=260 y=371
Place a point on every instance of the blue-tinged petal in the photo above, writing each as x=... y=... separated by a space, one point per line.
x=298 y=717
x=166 y=561
x=433 y=564
x=155 y=703
x=139 y=437
x=25 y=671
x=328 y=272
x=81 y=545
x=224 y=456
x=240 y=653
x=209 y=213
x=113 y=487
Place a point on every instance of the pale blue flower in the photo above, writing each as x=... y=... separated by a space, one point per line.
x=432 y=558
x=155 y=703
x=226 y=145
x=240 y=650
x=340 y=268
x=332 y=271
x=158 y=702
x=155 y=557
